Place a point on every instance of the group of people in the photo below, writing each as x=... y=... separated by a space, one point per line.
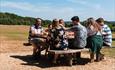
x=93 y=36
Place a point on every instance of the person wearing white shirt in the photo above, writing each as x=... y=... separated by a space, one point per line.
x=36 y=37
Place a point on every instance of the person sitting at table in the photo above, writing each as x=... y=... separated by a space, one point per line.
x=94 y=40
x=80 y=34
x=58 y=37
x=61 y=23
x=37 y=38
x=106 y=32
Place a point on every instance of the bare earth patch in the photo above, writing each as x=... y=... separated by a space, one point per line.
x=15 y=56
x=13 y=46
x=23 y=61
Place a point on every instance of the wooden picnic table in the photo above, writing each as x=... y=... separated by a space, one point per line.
x=70 y=53
x=67 y=51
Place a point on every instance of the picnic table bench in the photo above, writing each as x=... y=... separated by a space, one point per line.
x=69 y=53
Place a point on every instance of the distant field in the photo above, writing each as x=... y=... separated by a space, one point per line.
x=20 y=32
x=14 y=32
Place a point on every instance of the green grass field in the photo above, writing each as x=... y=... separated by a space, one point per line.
x=19 y=32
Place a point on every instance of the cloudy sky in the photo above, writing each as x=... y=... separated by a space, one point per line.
x=65 y=9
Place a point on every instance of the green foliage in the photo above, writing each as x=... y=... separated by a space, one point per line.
x=46 y=23
x=68 y=24
x=111 y=25
x=13 y=19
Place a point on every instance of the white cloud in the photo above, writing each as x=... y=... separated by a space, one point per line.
x=33 y=8
x=48 y=11
x=40 y=10
x=83 y=2
x=87 y=4
x=15 y=5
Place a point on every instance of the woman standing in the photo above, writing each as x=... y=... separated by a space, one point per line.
x=94 y=40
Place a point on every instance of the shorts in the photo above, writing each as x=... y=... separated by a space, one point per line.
x=38 y=41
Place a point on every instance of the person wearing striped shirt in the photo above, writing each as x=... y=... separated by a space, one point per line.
x=106 y=32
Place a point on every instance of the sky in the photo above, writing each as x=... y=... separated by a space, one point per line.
x=61 y=9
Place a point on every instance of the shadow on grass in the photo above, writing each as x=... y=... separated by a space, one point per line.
x=43 y=62
x=113 y=39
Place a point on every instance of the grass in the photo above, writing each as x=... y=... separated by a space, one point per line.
x=110 y=51
x=14 y=32
x=113 y=43
x=19 y=32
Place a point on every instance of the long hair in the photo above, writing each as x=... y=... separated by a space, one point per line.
x=55 y=23
x=92 y=22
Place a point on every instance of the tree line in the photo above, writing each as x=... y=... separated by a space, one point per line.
x=13 y=19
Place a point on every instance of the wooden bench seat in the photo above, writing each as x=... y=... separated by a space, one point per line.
x=70 y=53
x=67 y=51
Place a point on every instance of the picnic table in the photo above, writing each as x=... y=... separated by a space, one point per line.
x=70 y=53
